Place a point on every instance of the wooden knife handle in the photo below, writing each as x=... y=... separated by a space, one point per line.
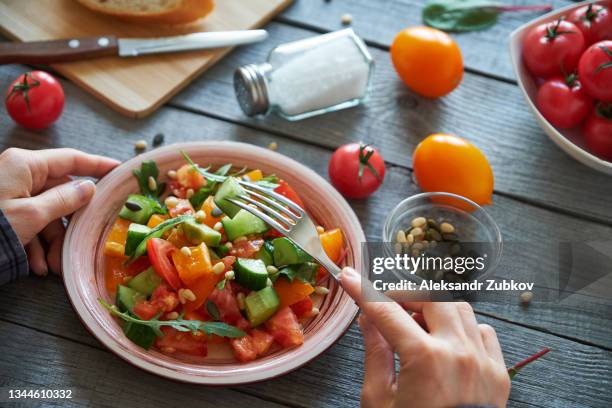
x=45 y=52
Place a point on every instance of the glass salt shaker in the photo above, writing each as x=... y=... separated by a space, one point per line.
x=307 y=77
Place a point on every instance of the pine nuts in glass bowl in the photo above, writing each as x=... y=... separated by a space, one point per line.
x=445 y=220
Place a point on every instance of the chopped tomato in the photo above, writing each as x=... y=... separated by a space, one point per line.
x=208 y=206
x=176 y=189
x=228 y=261
x=303 y=307
x=115 y=242
x=183 y=342
x=247 y=249
x=177 y=238
x=191 y=268
x=196 y=315
x=182 y=208
x=156 y=219
x=285 y=328
x=226 y=303
x=117 y=273
x=138 y=266
x=159 y=252
x=286 y=190
x=202 y=288
x=291 y=292
x=188 y=177
x=244 y=349
x=166 y=299
x=146 y=310
x=261 y=340
x=253 y=175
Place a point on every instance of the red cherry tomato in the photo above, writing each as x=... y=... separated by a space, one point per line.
x=598 y=132
x=553 y=49
x=595 y=71
x=35 y=100
x=563 y=102
x=595 y=22
x=356 y=170
x=159 y=252
x=286 y=190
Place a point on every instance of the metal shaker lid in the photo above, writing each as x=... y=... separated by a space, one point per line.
x=251 y=88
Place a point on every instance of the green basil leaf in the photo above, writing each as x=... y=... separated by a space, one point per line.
x=460 y=15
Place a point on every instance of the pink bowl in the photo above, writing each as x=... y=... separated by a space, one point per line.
x=84 y=272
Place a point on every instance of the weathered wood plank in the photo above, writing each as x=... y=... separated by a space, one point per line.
x=489 y=113
x=334 y=379
x=379 y=21
x=88 y=125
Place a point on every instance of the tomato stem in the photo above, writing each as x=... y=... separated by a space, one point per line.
x=546 y=7
x=552 y=31
x=608 y=64
x=512 y=371
x=23 y=88
x=365 y=153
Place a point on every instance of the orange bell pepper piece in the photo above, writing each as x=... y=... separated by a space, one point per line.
x=191 y=268
x=115 y=242
x=207 y=207
x=202 y=288
x=156 y=219
x=254 y=175
x=332 y=242
x=291 y=292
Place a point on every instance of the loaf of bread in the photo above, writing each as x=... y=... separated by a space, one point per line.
x=152 y=11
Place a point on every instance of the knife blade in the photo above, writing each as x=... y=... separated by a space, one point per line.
x=77 y=49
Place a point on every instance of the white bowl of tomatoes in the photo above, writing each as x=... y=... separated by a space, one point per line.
x=563 y=64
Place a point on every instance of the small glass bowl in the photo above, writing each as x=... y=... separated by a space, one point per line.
x=472 y=222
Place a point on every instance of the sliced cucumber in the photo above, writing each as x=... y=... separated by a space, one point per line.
x=266 y=253
x=230 y=188
x=261 y=305
x=197 y=233
x=147 y=208
x=136 y=233
x=287 y=253
x=145 y=282
x=244 y=223
x=127 y=298
x=142 y=335
x=251 y=273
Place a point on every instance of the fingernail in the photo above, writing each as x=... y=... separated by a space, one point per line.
x=85 y=188
x=349 y=273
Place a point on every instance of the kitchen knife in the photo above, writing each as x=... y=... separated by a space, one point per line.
x=76 y=49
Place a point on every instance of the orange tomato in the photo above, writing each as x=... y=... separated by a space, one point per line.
x=291 y=292
x=191 y=268
x=451 y=164
x=427 y=60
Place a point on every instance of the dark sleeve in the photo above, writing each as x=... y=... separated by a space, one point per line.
x=13 y=259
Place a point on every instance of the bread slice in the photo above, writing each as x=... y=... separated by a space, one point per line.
x=152 y=11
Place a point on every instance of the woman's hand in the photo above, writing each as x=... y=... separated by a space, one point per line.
x=455 y=362
x=36 y=191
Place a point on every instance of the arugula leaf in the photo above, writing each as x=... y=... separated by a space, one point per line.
x=180 y=324
x=148 y=169
x=157 y=232
x=305 y=272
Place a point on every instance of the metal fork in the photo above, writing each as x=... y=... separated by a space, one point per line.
x=286 y=217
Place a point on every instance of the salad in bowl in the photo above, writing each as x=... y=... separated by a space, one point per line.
x=188 y=271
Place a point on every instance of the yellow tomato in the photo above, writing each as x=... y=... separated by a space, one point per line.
x=451 y=164
x=427 y=60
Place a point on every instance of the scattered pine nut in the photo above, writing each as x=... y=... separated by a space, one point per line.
x=171 y=202
x=229 y=275
x=271 y=269
x=140 y=145
x=409 y=239
x=419 y=222
x=200 y=216
x=229 y=245
x=321 y=290
x=189 y=295
x=218 y=226
x=152 y=183
x=320 y=229
x=401 y=236
x=525 y=298
x=416 y=232
x=186 y=251
x=172 y=316
x=346 y=19
x=172 y=174
x=218 y=268
x=273 y=146
x=446 y=228
x=314 y=312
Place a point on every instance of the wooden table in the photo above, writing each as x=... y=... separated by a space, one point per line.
x=540 y=193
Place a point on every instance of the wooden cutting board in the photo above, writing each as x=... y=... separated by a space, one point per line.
x=133 y=86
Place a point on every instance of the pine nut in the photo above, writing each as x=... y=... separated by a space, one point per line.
x=271 y=269
x=418 y=222
x=446 y=228
x=172 y=174
x=229 y=275
x=140 y=144
x=401 y=236
x=416 y=232
x=190 y=192
x=314 y=312
x=200 y=216
x=321 y=290
x=346 y=19
x=172 y=316
x=525 y=298
x=189 y=295
x=320 y=229
x=229 y=245
x=409 y=239
x=218 y=226
x=240 y=300
x=186 y=251
x=171 y=201
x=269 y=282
x=273 y=146
x=218 y=268
x=152 y=183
